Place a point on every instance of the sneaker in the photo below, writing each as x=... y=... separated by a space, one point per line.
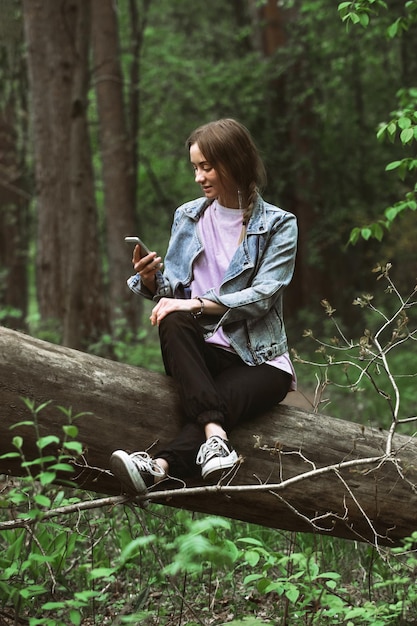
x=214 y=455
x=135 y=471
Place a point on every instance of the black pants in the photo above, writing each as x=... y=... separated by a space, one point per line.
x=214 y=386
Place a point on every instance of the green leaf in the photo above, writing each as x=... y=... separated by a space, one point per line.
x=404 y=122
x=70 y=430
x=38 y=461
x=251 y=578
x=32 y=514
x=393 y=29
x=62 y=467
x=378 y=232
x=75 y=446
x=131 y=550
x=252 y=557
x=392 y=128
x=46 y=441
x=32 y=590
x=354 y=235
x=42 y=406
x=391 y=213
x=50 y=606
x=250 y=540
x=26 y=423
x=101 y=572
x=10 y=455
x=86 y=595
x=406 y=135
x=277 y=587
x=366 y=233
x=381 y=131
x=393 y=165
x=46 y=478
x=42 y=500
x=292 y=594
x=75 y=617
x=17 y=442
x=332 y=575
x=248 y=621
x=364 y=19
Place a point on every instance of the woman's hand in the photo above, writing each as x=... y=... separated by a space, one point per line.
x=146 y=266
x=168 y=305
x=193 y=305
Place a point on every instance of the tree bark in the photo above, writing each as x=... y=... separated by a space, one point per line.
x=14 y=225
x=130 y=408
x=69 y=280
x=81 y=183
x=290 y=117
x=50 y=64
x=119 y=176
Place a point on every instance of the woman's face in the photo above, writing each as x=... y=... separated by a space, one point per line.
x=209 y=180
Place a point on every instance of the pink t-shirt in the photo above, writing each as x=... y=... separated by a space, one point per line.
x=219 y=231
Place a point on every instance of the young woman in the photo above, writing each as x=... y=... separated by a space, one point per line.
x=218 y=307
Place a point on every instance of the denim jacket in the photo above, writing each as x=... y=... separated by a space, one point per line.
x=252 y=288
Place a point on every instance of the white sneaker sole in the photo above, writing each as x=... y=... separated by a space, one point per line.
x=219 y=464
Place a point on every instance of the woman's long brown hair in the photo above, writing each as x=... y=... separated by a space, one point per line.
x=229 y=148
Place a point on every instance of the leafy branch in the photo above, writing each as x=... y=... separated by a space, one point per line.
x=403 y=123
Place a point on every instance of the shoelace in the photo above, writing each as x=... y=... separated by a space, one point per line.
x=209 y=448
x=145 y=463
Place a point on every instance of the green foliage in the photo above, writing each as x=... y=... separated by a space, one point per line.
x=116 y=566
x=402 y=125
x=33 y=554
x=361 y=12
x=403 y=122
x=202 y=544
x=377 y=367
x=308 y=593
x=247 y=621
x=139 y=348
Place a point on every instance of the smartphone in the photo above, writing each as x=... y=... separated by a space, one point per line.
x=137 y=241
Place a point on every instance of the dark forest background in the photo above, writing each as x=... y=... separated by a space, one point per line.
x=97 y=99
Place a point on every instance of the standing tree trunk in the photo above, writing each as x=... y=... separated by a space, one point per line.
x=68 y=263
x=137 y=25
x=84 y=312
x=119 y=177
x=14 y=199
x=288 y=131
x=50 y=63
x=14 y=232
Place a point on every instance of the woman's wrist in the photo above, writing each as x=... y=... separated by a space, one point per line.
x=199 y=310
x=150 y=285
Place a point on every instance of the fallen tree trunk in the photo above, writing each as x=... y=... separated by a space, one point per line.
x=329 y=475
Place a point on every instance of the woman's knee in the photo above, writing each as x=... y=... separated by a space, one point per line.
x=175 y=319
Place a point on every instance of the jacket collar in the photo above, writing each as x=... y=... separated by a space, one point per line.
x=257 y=222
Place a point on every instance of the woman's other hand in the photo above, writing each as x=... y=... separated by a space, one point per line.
x=168 y=305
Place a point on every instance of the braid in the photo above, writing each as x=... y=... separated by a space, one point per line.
x=250 y=202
